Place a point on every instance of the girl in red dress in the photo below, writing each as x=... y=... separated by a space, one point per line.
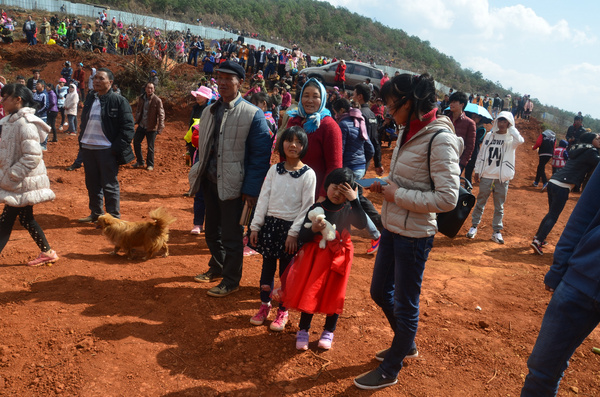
x=316 y=280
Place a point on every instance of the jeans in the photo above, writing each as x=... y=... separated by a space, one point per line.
x=193 y=56
x=138 y=137
x=396 y=288
x=541 y=169
x=52 y=124
x=500 y=190
x=72 y=123
x=570 y=317
x=372 y=215
x=269 y=70
x=199 y=208
x=267 y=276
x=101 y=170
x=557 y=198
x=224 y=235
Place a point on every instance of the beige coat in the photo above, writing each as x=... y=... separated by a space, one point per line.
x=23 y=179
x=413 y=212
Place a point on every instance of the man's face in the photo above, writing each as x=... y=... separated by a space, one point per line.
x=101 y=83
x=229 y=85
x=455 y=107
x=149 y=89
x=577 y=123
x=36 y=75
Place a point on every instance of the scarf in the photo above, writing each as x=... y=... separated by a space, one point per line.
x=312 y=121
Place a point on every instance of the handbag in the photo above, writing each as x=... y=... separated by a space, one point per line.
x=449 y=223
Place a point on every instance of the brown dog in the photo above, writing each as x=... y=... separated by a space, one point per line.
x=152 y=235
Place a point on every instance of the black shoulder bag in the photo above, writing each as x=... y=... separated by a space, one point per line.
x=449 y=223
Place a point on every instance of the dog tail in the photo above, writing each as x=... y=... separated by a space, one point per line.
x=162 y=217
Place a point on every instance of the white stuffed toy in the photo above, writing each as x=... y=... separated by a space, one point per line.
x=316 y=215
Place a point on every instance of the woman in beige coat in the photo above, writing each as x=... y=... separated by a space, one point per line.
x=71 y=102
x=23 y=179
x=408 y=214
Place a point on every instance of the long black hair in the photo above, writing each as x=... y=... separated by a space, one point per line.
x=19 y=91
x=420 y=90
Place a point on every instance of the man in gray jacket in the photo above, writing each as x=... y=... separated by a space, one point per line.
x=234 y=149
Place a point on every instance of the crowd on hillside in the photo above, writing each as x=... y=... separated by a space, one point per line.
x=299 y=211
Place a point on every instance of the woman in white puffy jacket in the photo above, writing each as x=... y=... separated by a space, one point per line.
x=417 y=189
x=71 y=102
x=23 y=179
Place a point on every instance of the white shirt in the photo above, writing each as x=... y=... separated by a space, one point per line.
x=285 y=197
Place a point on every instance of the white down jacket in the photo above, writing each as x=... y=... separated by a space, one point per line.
x=413 y=212
x=23 y=179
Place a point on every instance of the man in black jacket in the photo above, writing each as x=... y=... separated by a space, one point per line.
x=574 y=131
x=107 y=129
x=29 y=29
x=362 y=94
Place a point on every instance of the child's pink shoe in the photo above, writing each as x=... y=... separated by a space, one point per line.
x=44 y=258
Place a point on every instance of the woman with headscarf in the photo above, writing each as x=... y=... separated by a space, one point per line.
x=324 y=152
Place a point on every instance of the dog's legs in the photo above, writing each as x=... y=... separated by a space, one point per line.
x=116 y=250
x=166 y=246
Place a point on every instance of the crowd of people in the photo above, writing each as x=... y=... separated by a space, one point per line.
x=298 y=213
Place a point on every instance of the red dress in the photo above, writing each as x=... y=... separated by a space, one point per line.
x=316 y=280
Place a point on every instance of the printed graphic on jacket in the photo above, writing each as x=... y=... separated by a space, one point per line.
x=495 y=151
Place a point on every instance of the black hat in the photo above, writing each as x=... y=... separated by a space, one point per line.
x=232 y=67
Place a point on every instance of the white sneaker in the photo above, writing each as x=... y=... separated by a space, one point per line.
x=66 y=124
x=497 y=238
x=472 y=232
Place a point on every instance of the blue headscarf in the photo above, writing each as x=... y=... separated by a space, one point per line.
x=313 y=121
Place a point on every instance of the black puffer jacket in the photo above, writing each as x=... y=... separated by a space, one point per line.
x=583 y=158
x=117 y=123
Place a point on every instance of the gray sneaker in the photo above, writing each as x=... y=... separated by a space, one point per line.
x=472 y=232
x=221 y=290
x=497 y=238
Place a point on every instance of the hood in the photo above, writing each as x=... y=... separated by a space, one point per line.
x=508 y=116
x=578 y=149
x=549 y=134
x=29 y=115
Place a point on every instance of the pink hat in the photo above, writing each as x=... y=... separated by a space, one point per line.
x=61 y=80
x=203 y=92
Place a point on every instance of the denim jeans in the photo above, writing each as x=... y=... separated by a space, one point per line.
x=500 y=190
x=396 y=288
x=368 y=207
x=570 y=317
x=557 y=198
x=72 y=123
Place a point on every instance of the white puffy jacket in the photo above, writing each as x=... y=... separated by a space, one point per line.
x=23 y=179
x=413 y=212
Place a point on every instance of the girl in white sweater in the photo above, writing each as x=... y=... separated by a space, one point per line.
x=23 y=179
x=286 y=195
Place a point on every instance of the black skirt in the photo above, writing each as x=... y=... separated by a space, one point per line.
x=272 y=236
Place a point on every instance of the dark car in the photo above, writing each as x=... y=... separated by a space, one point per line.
x=356 y=73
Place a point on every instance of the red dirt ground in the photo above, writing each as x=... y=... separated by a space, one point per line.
x=98 y=325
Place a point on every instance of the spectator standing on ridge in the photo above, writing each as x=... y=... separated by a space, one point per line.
x=234 y=148
x=545 y=144
x=463 y=126
x=32 y=81
x=150 y=118
x=30 y=30
x=79 y=79
x=194 y=51
x=44 y=34
x=496 y=105
x=105 y=135
x=340 y=74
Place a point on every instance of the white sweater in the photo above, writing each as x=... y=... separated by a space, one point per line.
x=285 y=197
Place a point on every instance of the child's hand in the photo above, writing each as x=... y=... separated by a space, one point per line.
x=317 y=226
x=253 y=238
x=347 y=191
x=291 y=245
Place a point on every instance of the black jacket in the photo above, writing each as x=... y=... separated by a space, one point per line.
x=371 y=122
x=583 y=158
x=117 y=123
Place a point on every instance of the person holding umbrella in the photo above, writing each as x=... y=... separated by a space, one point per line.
x=463 y=126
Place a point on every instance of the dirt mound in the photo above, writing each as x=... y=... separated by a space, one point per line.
x=99 y=325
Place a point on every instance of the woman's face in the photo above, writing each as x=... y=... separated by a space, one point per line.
x=596 y=142
x=311 y=99
x=11 y=103
x=400 y=114
x=200 y=100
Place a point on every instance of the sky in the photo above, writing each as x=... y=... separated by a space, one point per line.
x=548 y=49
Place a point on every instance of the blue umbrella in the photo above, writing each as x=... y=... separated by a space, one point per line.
x=480 y=110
